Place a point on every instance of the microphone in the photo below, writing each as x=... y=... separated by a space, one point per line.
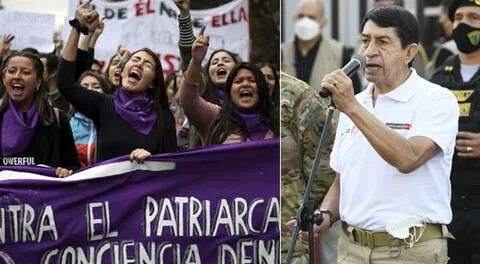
x=356 y=62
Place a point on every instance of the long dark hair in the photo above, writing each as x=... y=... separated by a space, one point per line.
x=40 y=96
x=210 y=92
x=172 y=77
x=229 y=121
x=275 y=98
x=276 y=93
x=107 y=74
x=159 y=95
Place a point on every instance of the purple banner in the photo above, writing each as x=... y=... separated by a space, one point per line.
x=210 y=205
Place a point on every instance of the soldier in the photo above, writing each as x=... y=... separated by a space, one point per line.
x=302 y=121
x=460 y=73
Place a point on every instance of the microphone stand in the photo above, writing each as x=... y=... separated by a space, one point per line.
x=306 y=215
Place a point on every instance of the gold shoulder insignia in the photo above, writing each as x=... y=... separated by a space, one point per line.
x=448 y=68
x=462 y=95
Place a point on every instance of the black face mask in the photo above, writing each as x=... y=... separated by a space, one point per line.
x=467 y=38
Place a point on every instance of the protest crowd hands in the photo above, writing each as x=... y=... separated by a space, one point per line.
x=200 y=46
x=99 y=30
x=184 y=6
x=62 y=172
x=139 y=155
x=87 y=18
x=468 y=144
x=58 y=46
x=96 y=33
x=123 y=53
x=6 y=43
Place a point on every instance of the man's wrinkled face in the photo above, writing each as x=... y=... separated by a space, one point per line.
x=385 y=57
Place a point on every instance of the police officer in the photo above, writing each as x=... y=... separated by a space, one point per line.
x=461 y=74
x=303 y=117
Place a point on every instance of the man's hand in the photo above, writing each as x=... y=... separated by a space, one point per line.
x=6 y=43
x=468 y=144
x=341 y=88
x=317 y=229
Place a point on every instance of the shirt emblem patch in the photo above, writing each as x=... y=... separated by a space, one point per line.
x=400 y=126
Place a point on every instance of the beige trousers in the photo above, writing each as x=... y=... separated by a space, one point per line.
x=428 y=252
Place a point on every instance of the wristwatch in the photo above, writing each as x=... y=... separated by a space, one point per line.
x=326 y=211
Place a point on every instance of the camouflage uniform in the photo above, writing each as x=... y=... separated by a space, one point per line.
x=303 y=115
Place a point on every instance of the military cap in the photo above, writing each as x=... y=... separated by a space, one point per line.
x=459 y=3
x=394 y=2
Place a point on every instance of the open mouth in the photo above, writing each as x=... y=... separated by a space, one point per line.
x=134 y=76
x=18 y=88
x=373 y=66
x=117 y=73
x=222 y=73
x=246 y=94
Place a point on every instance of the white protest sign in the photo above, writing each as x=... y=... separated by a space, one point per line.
x=153 y=24
x=30 y=29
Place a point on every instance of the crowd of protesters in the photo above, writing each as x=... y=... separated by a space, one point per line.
x=66 y=111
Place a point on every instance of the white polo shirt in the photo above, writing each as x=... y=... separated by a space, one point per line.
x=373 y=193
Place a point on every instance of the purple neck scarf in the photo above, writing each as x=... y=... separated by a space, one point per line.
x=255 y=125
x=220 y=95
x=17 y=132
x=136 y=110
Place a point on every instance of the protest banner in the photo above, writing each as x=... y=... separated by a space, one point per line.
x=30 y=29
x=211 y=205
x=153 y=23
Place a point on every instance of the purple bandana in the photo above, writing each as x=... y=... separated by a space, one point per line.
x=255 y=126
x=136 y=110
x=17 y=132
x=220 y=95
